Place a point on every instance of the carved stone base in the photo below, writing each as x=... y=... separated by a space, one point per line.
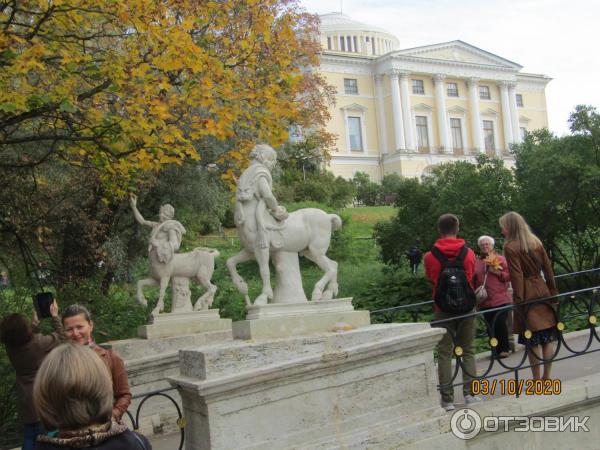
x=297 y=319
x=183 y=323
x=369 y=388
x=148 y=363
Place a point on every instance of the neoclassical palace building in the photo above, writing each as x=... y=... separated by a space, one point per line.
x=407 y=110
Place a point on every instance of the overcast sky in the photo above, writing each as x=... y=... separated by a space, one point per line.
x=558 y=38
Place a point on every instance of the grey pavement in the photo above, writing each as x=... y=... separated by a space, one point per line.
x=564 y=370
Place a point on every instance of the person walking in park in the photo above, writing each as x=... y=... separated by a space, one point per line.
x=532 y=278
x=491 y=273
x=26 y=348
x=78 y=327
x=414 y=256
x=450 y=266
x=73 y=394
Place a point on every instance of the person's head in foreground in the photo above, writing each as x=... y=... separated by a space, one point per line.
x=73 y=394
x=73 y=389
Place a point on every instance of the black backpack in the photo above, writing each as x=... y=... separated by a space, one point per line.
x=453 y=293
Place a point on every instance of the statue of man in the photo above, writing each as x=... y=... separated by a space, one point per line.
x=166 y=234
x=255 y=195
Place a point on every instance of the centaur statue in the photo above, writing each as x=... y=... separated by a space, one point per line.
x=267 y=230
x=167 y=265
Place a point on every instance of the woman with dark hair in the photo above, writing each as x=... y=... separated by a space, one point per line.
x=26 y=348
x=78 y=326
x=73 y=394
x=532 y=278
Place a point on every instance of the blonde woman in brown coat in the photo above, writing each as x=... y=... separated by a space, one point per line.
x=527 y=261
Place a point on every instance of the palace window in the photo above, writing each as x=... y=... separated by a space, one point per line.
x=452 y=90
x=519 y=100
x=355 y=133
x=350 y=86
x=457 y=139
x=484 y=93
x=355 y=43
x=418 y=87
x=349 y=42
x=422 y=134
x=488 y=134
x=342 y=44
x=328 y=43
x=523 y=131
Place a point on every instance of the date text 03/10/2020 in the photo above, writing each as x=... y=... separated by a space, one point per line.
x=513 y=387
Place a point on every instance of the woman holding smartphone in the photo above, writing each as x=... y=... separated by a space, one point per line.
x=26 y=348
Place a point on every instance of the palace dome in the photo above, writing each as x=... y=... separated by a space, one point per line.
x=341 y=22
x=341 y=33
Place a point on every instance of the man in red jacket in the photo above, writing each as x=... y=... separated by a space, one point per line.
x=460 y=333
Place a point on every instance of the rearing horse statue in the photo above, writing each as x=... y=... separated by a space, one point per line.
x=265 y=227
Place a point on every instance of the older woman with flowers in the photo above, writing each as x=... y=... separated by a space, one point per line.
x=491 y=272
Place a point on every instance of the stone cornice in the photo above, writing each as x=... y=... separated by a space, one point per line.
x=451 y=70
x=531 y=82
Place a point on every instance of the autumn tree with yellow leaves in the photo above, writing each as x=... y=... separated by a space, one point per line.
x=98 y=95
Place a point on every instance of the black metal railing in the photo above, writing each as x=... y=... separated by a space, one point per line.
x=423 y=309
x=181 y=422
x=567 y=314
x=576 y=309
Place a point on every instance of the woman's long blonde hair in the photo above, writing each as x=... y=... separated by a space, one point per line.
x=517 y=230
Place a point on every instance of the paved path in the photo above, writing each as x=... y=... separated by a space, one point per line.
x=567 y=369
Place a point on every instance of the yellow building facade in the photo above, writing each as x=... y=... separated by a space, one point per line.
x=407 y=110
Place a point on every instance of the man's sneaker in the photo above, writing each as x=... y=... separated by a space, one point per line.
x=470 y=399
x=448 y=406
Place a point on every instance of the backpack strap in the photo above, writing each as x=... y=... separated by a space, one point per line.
x=439 y=255
x=463 y=253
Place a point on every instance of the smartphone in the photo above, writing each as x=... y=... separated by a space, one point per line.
x=42 y=302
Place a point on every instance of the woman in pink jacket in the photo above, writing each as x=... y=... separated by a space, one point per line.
x=492 y=270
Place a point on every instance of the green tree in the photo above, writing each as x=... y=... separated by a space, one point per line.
x=477 y=193
x=367 y=192
x=559 y=190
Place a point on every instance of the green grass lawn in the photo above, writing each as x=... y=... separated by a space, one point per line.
x=363 y=219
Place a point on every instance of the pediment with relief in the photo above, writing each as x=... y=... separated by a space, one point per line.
x=458 y=51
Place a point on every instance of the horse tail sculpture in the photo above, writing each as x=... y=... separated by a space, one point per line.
x=336 y=222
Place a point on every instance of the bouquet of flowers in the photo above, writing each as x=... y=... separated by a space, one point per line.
x=493 y=261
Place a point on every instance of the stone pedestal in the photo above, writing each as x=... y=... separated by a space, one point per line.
x=288 y=279
x=181 y=295
x=184 y=323
x=148 y=363
x=294 y=319
x=373 y=387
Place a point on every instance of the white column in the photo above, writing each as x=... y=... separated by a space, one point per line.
x=397 y=112
x=440 y=106
x=475 y=117
x=514 y=114
x=506 y=119
x=382 y=126
x=406 y=113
